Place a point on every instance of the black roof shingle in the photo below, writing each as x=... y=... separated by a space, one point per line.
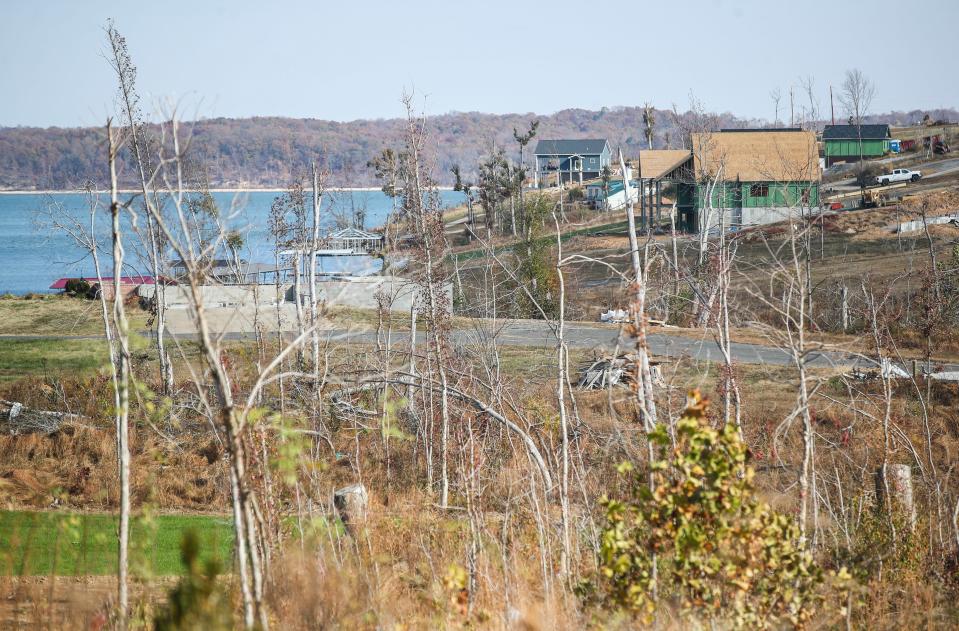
x=850 y=132
x=580 y=147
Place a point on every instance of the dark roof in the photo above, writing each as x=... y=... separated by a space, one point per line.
x=580 y=147
x=850 y=132
x=762 y=130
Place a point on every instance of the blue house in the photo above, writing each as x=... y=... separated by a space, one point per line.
x=562 y=161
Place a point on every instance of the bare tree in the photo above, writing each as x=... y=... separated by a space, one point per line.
x=387 y=168
x=776 y=95
x=314 y=246
x=812 y=113
x=467 y=189
x=522 y=140
x=126 y=73
x=649 y=123
x=856 y=95
x=422 y=206
x=122 y=383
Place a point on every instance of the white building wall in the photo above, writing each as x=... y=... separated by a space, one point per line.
x=356 y=292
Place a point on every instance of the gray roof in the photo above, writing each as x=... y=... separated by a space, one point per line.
x=354 y=233
x=567 y=147
x=849 y=132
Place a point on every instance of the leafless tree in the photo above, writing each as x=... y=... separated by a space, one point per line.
x=776 y=95
x=122 y=382
x=126 y=72
x=422 y=207
x=812 y=109
x=649 y=123
x=856 y=95
x=522 y=140
x=314 y=246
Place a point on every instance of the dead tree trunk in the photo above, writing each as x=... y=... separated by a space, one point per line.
x=894 y=491
x=314 y=244
x=121 y=416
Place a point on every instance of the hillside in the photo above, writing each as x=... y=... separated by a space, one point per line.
x=265 y=152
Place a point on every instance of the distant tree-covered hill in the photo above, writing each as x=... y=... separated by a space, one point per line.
x=269 y=152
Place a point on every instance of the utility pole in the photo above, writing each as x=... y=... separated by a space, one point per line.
x=792 y=116
x=832 y=107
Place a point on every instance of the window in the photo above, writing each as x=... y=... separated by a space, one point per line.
x=759 y=190
x=577 y=164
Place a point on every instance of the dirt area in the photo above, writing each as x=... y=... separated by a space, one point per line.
x=877 y=223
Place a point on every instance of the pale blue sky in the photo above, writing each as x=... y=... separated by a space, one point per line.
x=351 y=59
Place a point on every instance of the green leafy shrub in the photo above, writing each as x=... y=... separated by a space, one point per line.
x=198 y=602
x=721 y=554
x=536 y=269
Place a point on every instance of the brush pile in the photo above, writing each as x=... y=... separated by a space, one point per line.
x=607 y=372
x=15 y=419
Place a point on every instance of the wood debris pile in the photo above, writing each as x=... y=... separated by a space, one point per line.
x=606 y=372
x=16 y=419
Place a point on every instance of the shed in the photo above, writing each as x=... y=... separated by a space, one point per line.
x=613 y=196
x=128 y=284
x=841 y=143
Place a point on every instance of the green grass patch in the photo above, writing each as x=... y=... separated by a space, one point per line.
x=74 y=544
x=57 y=356
x=24 y=357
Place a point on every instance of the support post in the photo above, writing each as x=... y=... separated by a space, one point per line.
x=659 y=201
x=642 y=204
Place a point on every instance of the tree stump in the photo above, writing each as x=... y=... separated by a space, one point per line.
x=898 y=480
x=351 y=503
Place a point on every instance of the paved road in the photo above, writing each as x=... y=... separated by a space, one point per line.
x=536 y=333
x=930 y=169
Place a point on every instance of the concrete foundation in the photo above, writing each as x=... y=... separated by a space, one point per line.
x=235 y=308
x=179 y=296
x=742 y=218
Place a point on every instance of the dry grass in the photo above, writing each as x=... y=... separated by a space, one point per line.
x=404 y=566
x=401 y=566
x=57 y=315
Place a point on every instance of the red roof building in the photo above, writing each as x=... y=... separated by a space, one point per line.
x=128 y=284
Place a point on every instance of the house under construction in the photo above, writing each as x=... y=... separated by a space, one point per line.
x=734 y=177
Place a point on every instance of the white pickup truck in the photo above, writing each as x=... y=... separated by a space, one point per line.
x=899 y=175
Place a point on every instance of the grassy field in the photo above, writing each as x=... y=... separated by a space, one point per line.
x=49 y=317
x=72 y=544
x=57 y=315
x=24 y=357
x=56 y=356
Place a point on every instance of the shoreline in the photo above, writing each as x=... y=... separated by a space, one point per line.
x=332 y=189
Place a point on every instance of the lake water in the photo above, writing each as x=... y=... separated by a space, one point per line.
x=33 y=255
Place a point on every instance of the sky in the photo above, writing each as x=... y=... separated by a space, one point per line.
x=352 y=59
